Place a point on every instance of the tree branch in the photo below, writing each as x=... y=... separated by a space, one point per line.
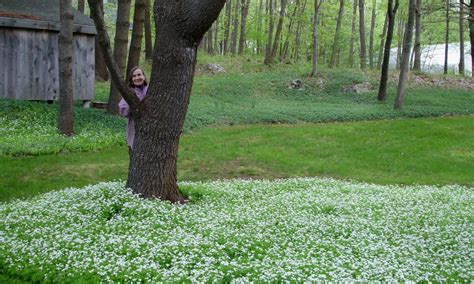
x=104 y=43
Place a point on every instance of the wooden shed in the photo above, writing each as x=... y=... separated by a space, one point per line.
x=29 y=52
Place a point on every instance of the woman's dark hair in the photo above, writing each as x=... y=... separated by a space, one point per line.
x=130 y=76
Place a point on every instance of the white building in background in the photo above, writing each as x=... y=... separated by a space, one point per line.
x=432 y=58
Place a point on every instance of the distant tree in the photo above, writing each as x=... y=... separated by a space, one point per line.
x=148 y=39
x=276 y=41
x=81 y=5
x=317 y=7
x=446 y=42
x=337 y=35
x=363 y=49
x=405 y=62
x=100 y=68
x=228 y=13
x=299 y=28
x=66 y=113
x=235 y=28
x=353 y=34
x=461 y=37
x=391 y=13
x=382 y=41
x=159 y=118
x=268 y=47
x=243 y=24
x=371 y=37
x=471 y=33
x=137 y=35
x=417 y=45
x=120 y=50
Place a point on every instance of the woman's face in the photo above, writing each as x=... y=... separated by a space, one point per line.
x=138 y=78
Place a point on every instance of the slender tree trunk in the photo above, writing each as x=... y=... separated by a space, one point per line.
x=314 y=69
x=148 y=39
x=81 y=5
x=228 y=15
x=243 y=23
x=120 y=51
x=259 y=27
x=363 y=49
x=337 y=35
x=216 y=35
x=400 y=41
x=353 y=34
x=296 y=55
x=66 y=113
x=471 y=34
x=159 y=118
x=284 y=50
x=382 y=42
x=268 y=49
x=407 y=41
x=446 y=43
x=235 y=28
x=391 y=13
x=137 y=35
x=417 y=46
x=101 y=71
x=276 y=41
x=461 y=37
x=371 y=40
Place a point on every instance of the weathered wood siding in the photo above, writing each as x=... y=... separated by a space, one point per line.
x=29 y=65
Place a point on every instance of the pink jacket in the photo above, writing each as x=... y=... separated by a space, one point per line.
x=124 y=110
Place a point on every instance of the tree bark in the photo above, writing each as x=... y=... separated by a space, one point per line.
x=382 y=42
x=276 y=42
x=66 y=113
x=268 y=48
x=363 y=49
x=417 y=45
x=180 y=26
x=337 y=35
x=235 y=28
x=137 y=35
x=391 y=13
x=243 y=23
x=314 y=68
x=101 y=71
x=407 y=41
x=446 y=41
x=148 y=38
x=371 y=38
x=461 y=38
x=471 y=34
x=120 y=51
x=353 y=34
x=228 y=14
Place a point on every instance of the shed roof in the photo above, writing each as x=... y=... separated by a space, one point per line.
x=40 y=14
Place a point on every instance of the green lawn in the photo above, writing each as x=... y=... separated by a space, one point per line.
x=406 y=151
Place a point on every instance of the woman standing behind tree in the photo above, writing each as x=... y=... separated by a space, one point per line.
x=136 y=81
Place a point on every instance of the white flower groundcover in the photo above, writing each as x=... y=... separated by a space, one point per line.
x=304 y=229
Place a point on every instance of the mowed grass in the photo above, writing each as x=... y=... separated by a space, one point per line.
x=405 y=151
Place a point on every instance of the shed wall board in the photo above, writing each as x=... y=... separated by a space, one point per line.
x=29 y=65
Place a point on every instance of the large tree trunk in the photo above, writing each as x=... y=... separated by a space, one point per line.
x=159 y=118
x=314 y=68
x=337 y=35
x=353 y=34
x=371 y=39
x=137 y=35
x=148 y=38
x=120 y=51
x=407 y=41
x=446 y=40
x=243 y=22
x=101 y=71
x=391 y=12
x=382 y=42
x=417 y=45
x=66 y=113
x=363 y=49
